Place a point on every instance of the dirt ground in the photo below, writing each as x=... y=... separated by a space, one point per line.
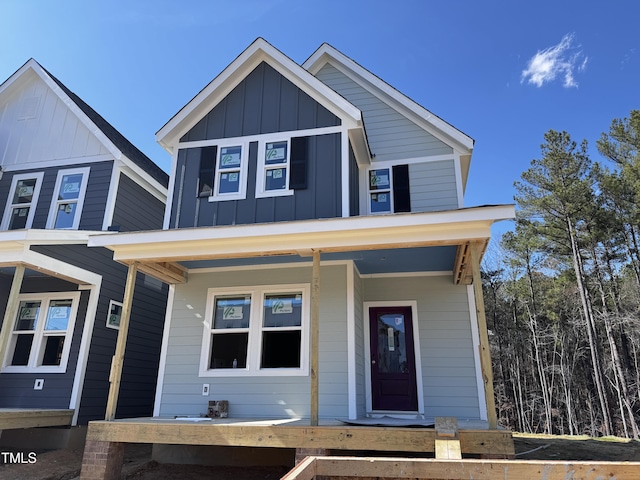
x=65 y=464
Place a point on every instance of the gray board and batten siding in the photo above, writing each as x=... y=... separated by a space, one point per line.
x=264 y=102
x=17 y=388
x=143 y=342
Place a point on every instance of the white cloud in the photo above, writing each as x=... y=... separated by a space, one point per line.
x=561 y=60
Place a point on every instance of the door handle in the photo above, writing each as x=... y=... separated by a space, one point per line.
x=373 y=362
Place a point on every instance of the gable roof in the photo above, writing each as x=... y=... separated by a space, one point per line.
x=113 y=139
x=259 y=51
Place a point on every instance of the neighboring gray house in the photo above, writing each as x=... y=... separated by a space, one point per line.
x=286 y=176
x=66 y=174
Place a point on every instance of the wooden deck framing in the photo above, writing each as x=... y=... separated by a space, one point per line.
x=294 y=434
x=13 y=418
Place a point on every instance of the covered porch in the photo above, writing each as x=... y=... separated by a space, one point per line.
x=451 y=241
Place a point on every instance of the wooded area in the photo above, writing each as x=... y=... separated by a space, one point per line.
x=562 y=290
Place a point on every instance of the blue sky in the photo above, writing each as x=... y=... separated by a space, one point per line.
x=503 y=72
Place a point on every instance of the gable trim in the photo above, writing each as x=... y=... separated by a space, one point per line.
x=433 y=124
x=259 y=51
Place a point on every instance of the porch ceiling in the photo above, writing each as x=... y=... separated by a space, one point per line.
x=433 y=241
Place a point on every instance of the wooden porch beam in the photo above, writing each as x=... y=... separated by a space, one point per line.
x=171 y=273
x=315 y=332
x=11 y=310
x=485 y=352
x=118 y=358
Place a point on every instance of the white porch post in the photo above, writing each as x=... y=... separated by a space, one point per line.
x=485 y=352
x=11 y=310
x=315 y=332
x=118 y=357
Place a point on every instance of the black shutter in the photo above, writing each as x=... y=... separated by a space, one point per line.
x=401 y=197
x=207 y=171
x=299 y=162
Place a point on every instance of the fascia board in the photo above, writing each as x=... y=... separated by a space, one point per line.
x=47 y=237
x=235 y=72
x=290 y=237
x=397 y=100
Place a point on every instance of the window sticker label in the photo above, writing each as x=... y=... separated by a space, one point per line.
x=391 y=340
x=230 y=157
x=281 y=306
x=232 y=313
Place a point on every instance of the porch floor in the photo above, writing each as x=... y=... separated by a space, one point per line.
x=12 y=418
x=297 y=433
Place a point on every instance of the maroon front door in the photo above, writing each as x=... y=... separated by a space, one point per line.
x=393 y=365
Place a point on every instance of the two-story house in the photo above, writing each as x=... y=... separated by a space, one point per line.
x=319 y=253
x=66 y=174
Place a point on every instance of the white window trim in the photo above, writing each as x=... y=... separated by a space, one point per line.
x=255 y=332
x=79 y=203
x=111 y=304
x=261 y=173
x=369 y=191
x=38 y=336
x=34 y=199
x=241 y=194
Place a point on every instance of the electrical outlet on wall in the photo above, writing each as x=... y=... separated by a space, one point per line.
x=38 y=384
x=205 y=389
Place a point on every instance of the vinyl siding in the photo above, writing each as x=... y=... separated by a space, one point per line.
x=135 y=208
x=94 y=201
x=446 y=347
x=143 y=344
x=432 y=186
x=256 y=396
x=52 y=133
x=17 y=388
x=391 y=135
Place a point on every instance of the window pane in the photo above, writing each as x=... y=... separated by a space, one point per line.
x=115 y=313
x=283 y=310
x=24 y=191
x=229 y=350
x=380 y=202
x=27 y=315
x=275 y=152
x=379 y=179
x=22 y=350
x=281 y=349
x=70 y=186
x=58 y=315
x=232 y=312
x=53 y=350
x=18 y=218
x=229 y=182
x=230 y=157
x=276 y=179
x=65 y=216
x=392 y=345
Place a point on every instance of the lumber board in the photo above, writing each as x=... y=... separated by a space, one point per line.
x=30 y=418
x=497 y=442
x=396 y=468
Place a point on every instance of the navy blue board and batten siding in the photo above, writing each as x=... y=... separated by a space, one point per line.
x=264 y=102
x=135 y=208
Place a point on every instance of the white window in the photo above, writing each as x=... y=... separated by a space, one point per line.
x=256 y=331
x=68 y=198
x=380 y=190
x=230 y=182
x=42 y=331
x=114 y=315
x=274 y=167
x=22 y=201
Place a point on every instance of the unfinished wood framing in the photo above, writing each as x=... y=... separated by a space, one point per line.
x=315 y=334
x=424 y=469
x=485 y=352
x=11 y=418
x=118 y=358
x=11 y=310
x=447 y=443
x=298 y=435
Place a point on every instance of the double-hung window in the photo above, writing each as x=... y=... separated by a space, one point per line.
x=273 y=168
x=68 y=198
x=256 y=331
x=388 y=189
x=41 y=336
x=22 y=201
x=223 y=172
